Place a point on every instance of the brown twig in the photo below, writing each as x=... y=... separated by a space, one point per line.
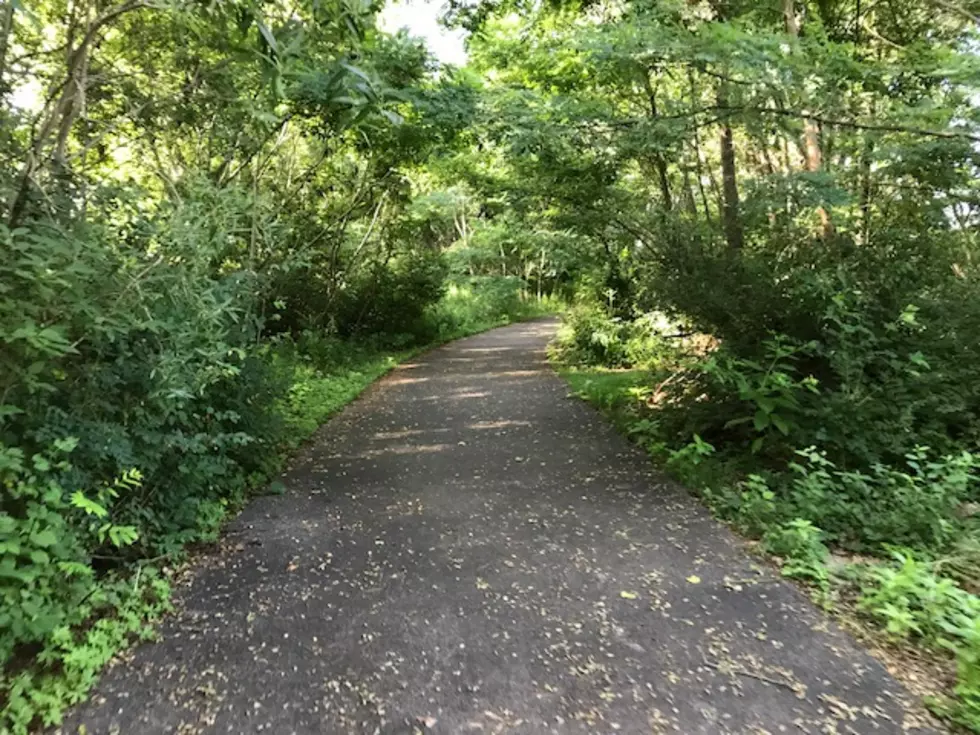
x=750 y=674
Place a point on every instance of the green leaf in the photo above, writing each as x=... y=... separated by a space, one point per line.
x=356 y=71
x=738 y=422
x=40 y=557
x=780 y=423
x=44 y=538
x=8 y=410
x=267 y=35
x=123 y=535
x=90 y=507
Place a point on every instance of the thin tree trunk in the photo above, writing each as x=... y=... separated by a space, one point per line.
x=866 y=186
x=812 y=154
x=658 y=159
x=731 y=219
x=540 y=274
x=699 y=171
x=6 y=29
x=699 y=164
x=70 y=95
x=692 y=205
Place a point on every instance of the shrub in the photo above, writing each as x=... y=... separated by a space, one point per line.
x=60 y=621
x=593 y=335
x=913 y=506
x=391 y=298
x=590 y=337
x=753 y=506
x=770 y=392
x=913 y=601
x=481 y=302
x=804 y=553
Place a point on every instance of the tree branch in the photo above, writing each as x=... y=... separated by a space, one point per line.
x=911 y=129
x=728 y=110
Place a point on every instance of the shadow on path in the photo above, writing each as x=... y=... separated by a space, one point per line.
x=466 y=549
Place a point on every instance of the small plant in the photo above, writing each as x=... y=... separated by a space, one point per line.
x=750 y=505
x=52 y=603
x=804 y=553
x=685 y=461
x=97 y=510
x=70 y=658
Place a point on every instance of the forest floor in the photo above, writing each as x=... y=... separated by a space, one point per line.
x=468 y=549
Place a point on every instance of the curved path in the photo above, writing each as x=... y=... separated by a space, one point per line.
x=467 y=550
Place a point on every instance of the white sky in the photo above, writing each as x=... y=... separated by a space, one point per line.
x=421 y=18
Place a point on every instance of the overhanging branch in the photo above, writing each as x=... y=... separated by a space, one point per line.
x=729 y=110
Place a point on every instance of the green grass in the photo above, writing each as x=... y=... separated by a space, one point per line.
x=316 y=394
x=611 y=390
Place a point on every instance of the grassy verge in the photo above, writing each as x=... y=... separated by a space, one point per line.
x=918 y=611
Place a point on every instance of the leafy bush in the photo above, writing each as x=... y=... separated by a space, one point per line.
x=60 y=622
x=804 y=553
x=391 y=298
x=686 y=460
x=589 y=336
x=853 y=355
x=769 y=391
x=751 y=505
x=59 y=669
x=913 y=601
x=912 y=506
x=481 y=302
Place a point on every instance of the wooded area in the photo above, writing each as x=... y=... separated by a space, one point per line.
x=220 y=220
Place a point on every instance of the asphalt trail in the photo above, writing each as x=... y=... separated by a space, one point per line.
x=466 y=549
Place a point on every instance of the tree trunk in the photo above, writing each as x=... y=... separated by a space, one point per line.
x=812 y=154
x=6 y=29
x=699 y=171
x=659 y=161
x=540 y=274
x=731 y=219
x=692 y=205
x=57 y=120
x=699 y=161
x=866 y=185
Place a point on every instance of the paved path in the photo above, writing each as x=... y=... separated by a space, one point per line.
x=468 y=550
